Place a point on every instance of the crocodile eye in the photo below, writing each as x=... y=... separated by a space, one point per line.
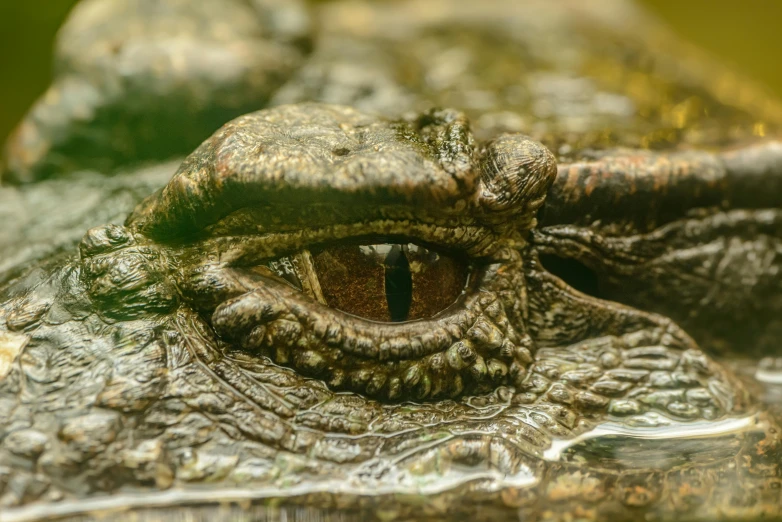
x=380 y=282
x=389 y=282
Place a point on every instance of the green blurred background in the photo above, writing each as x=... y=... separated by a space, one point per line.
x=743 y=33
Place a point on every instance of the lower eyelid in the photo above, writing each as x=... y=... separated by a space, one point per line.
x=467 y=348
x=365 y=338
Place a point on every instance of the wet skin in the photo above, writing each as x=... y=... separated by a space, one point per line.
x=561 y=343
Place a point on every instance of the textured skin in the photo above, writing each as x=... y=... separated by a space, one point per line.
x=714 y=268
x=151 y=368
x=132 y=68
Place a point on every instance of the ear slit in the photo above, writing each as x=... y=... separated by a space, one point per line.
x=574 y=273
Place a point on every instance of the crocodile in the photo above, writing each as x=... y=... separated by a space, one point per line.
x=426 y=260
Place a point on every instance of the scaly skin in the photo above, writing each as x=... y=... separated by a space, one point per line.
x=155 y=368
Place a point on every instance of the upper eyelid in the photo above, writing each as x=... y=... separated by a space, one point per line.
x=253 y=249
x=287 y=218
x=442 y=249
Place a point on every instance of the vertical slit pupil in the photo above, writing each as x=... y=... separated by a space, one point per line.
x=399 y=284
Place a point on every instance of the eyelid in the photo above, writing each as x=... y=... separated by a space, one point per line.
x=474 y=241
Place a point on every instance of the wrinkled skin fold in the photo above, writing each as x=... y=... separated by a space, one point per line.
x=620 y=264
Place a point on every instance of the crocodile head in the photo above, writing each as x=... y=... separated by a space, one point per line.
x=387 y=311
x=351 y=312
